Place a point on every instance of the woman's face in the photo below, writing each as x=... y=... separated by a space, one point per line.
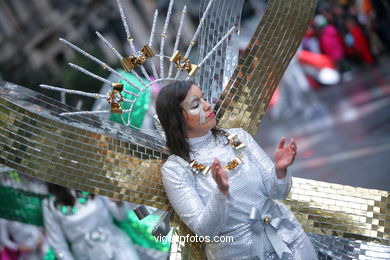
x=198 y=114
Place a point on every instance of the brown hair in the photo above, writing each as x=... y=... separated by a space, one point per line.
x=170 y=114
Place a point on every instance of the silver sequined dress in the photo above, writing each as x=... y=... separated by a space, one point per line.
x=90 y=232
x=253 y=186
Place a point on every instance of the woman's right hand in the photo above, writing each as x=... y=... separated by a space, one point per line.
x=220 y=177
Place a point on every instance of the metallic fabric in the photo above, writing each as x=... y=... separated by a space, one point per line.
x=29 y=127
x=209 y=213
x=245 y=99
x=216 y=72
x=83 y=153
x=344 y=248
x=341 y=210
x=90 y=232
x=101 y=157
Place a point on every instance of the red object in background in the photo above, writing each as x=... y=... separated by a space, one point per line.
x=361 y=46
x=313 y=82
x=319 y=68
x=275 y=97
x=316 y=60
x=7 y=254
x=331 y=43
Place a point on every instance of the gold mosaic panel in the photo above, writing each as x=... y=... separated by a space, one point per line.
x=52 y=151
x=249 y=91
x=340 y=210
x=87 y=154
x=56 y=152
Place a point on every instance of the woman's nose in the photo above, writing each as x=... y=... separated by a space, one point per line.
x=206 y=105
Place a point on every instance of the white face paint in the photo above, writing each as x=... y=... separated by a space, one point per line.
x=195 y=106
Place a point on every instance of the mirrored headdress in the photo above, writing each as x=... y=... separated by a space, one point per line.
x=164 y=67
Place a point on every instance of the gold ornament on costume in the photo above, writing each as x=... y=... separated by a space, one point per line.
x=235 y=142
x=135 y=60
x=183 y=63
x=233 y=164
x=200 y=168
x=197 y=167
x=267 y=220
x=115 y=98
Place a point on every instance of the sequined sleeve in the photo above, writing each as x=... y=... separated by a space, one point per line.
x=56 y=237
x=204 y=219
x=275 y=188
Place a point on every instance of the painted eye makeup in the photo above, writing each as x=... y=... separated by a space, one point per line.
x=195 y=107
x=195 y=104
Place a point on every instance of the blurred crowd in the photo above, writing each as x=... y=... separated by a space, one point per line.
x=350 y=32
x=343 y=37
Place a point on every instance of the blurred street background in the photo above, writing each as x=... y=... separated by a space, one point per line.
x=346 y=139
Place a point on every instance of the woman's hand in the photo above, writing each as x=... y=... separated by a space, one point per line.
x=25 y=249
x=220 y=177
x=284 y=156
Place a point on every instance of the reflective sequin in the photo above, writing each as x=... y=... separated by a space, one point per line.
x=199 y=203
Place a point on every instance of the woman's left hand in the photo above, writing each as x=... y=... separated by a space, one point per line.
x=285 y=155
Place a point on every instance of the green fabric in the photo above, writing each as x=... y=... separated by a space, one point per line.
x=22 y=206
x=140 y=231
x=50 y=255
x=141 y=105
x=26 y=207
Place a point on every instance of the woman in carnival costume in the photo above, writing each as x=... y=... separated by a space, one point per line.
x=80 y=226
x=221 y=183
x=25 y=240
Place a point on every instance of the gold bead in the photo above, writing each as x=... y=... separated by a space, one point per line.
x=267 y=220
x=192 y=43
x=130 y=39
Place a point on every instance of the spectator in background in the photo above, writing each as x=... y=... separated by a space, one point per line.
x=360 y=46
x=310 y=41
x=381 y=20
x=331 y=42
